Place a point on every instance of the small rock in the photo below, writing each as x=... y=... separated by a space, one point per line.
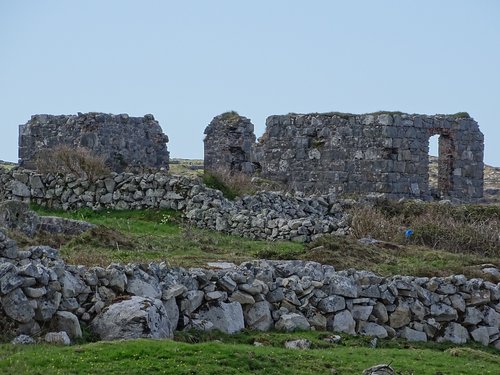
x=302 y=344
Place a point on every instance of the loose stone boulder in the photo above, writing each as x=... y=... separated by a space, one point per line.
x=57 y=338
x=136 y=317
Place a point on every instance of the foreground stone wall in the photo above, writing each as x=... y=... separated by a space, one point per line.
x=266 y=215
x=125 y=142
x=37 y=289
x=383 y=153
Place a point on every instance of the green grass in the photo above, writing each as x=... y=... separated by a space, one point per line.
x=152 y=235
x=162 y=236
x=222 y=354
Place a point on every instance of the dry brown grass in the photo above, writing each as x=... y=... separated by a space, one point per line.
x=64 y=159
x=459 y=229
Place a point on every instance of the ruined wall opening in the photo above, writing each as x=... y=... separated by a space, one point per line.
x=433 y=154
x=441 y=160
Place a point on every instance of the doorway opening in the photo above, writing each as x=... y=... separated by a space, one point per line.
x=440 y=170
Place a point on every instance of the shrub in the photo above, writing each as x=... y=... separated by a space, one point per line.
x=469 y=228
x=231 y=184
x=64 y=159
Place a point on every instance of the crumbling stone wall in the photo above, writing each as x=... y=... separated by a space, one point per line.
x=133 y=143
x=228 y=144
x=38 y=291
x=385 y=153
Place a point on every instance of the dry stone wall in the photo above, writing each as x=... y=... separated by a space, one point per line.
x=382 y=153
x=125 y=142
x=38 y=291
x=266 y=215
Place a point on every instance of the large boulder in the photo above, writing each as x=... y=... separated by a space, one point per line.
x=133 y=318
x=225 y=317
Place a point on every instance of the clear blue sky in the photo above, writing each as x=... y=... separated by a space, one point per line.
x=188 y=61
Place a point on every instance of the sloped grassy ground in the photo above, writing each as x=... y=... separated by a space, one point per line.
x=221 y=354
x=158 y=235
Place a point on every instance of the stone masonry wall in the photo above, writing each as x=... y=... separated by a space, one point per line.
x=125 y=142
x=382 y=153
x=267 y=215
x=39 y=292
x=228 y=144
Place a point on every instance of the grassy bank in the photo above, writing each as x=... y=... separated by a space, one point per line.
x=237 y=354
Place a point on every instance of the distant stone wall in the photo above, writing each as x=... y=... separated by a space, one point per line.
x=266 y=215
x=383 y=153
x=39 y=292
x=228 y=144
x=126 y=143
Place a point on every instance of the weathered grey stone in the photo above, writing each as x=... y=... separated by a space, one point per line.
x=342 y=322
x=258 y=316
x=9 y=279
x=47 y=306
x=57 y=338
x=481 y=335
x=23 y=340
x=343 y=286
x=412 y=335
x=139 y=287
x=72 y=285
x=172 y=311
x=225 y=317
x=472 y=316
x=191 y=301
x=67 y=322
x=16 y=306
x=331 y=304
x=16 y=215
x=318 y=322
x=301 y=344
x=443 y=313
x=133 y=318
x=454 y=333
x=400 y=317
x=173 y=291
x=292 y=322
x=382 y=369
x=380 y=312
x=361 y=312
x=372 y=329
x=242 y=298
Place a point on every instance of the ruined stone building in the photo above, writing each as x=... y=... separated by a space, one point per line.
x=126 y=143
x=386 y=152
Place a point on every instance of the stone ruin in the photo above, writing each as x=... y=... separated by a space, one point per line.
x=383 y=153
x=126 y=143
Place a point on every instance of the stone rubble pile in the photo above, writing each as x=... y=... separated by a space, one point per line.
x=266 y=215
x=39 y=291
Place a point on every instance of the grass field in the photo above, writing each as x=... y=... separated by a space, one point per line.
x=237 y=354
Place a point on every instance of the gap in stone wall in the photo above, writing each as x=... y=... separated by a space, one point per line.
x=433 y=169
